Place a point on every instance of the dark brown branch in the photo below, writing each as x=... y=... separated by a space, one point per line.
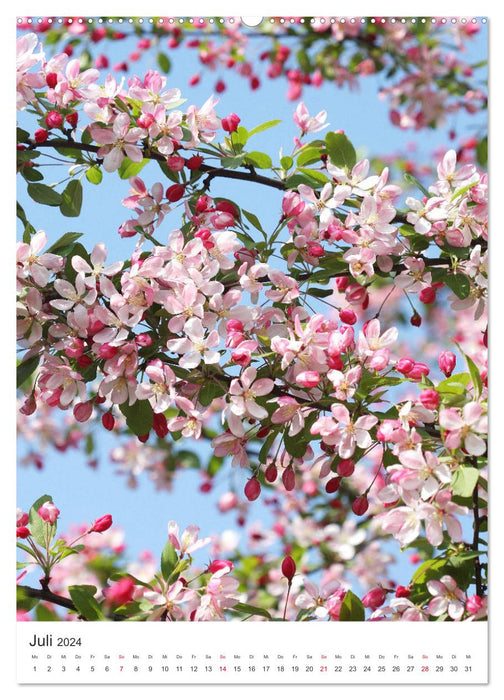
x=475 y=543
x=45 y=594
x=249 y=176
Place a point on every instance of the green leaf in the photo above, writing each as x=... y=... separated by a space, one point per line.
x=72 y=199
x=25 y=369
x=286 y=162
x=164 y=62
x=240 y=136
x=252 y=219
x=94 y=175
x=294 y=446
x=320 y=293
x=23 y=600
x=43 y=614
x=260 y=160
x=266 y=446
x=414 y=181
x=169 y=560
x=304 y=61
x=40 y=528
x=32 y=174
x=43 y=194
x=308 y=156
x=456 y=384
x=129 y=168
x=138 y=417
x=459 y=284
x=429 y=569
x=464 y=481
x=304 y=177
x=340 y=150
x=22 y=136
x=482 y=152
x=232 y=162
x=210 y=391
x=25 y=156
x=83 y=598
x=351 y=609
x=475 y=374
x=264 y=126
x=137 y=581
x=251 y=610
x=317 y=175
x=65 y=244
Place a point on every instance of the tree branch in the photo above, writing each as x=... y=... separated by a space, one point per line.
x=475 y=543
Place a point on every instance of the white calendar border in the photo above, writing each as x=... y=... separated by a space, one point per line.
x=224 y=7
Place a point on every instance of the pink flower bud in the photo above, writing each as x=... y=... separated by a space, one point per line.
x=22 y=532
x=419 y=370
x=308 y=379
x=82 y=411
x=175 y=192
x=348 y=316
x=107 y=352
x=52 y=80
x=176 y=163
x=230 y=123
x=252 y=489
x=289 y=568
x=374 y=599
x=108 y=421
x=271 y=473
x=429 y=398
x=342 y=283
x=447 y=362
x=48 y=512
x=242 y=356
x=427 y=295
x=195 y=162
x=160 y=425
x=144 y=340
x=53 y=119
x=29 y=406
x=360 y=505
x=316 y=250
x=474 y=604
x=355 y=294
x=403 y=592
x=289 y=479
x=219 y=564
x=101 y=524
x=120 y=592
x=405 y=365
x=333 y=485
x=346 y=467
x=40 y=135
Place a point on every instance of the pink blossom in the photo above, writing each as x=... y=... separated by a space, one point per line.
x=118 y=142
x=242 y=394
x=465 y=429
x=195 y=347
x=307 y=124
x=447 y=598
x=189 y=541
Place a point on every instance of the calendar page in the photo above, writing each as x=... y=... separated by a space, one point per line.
x=252 y=287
